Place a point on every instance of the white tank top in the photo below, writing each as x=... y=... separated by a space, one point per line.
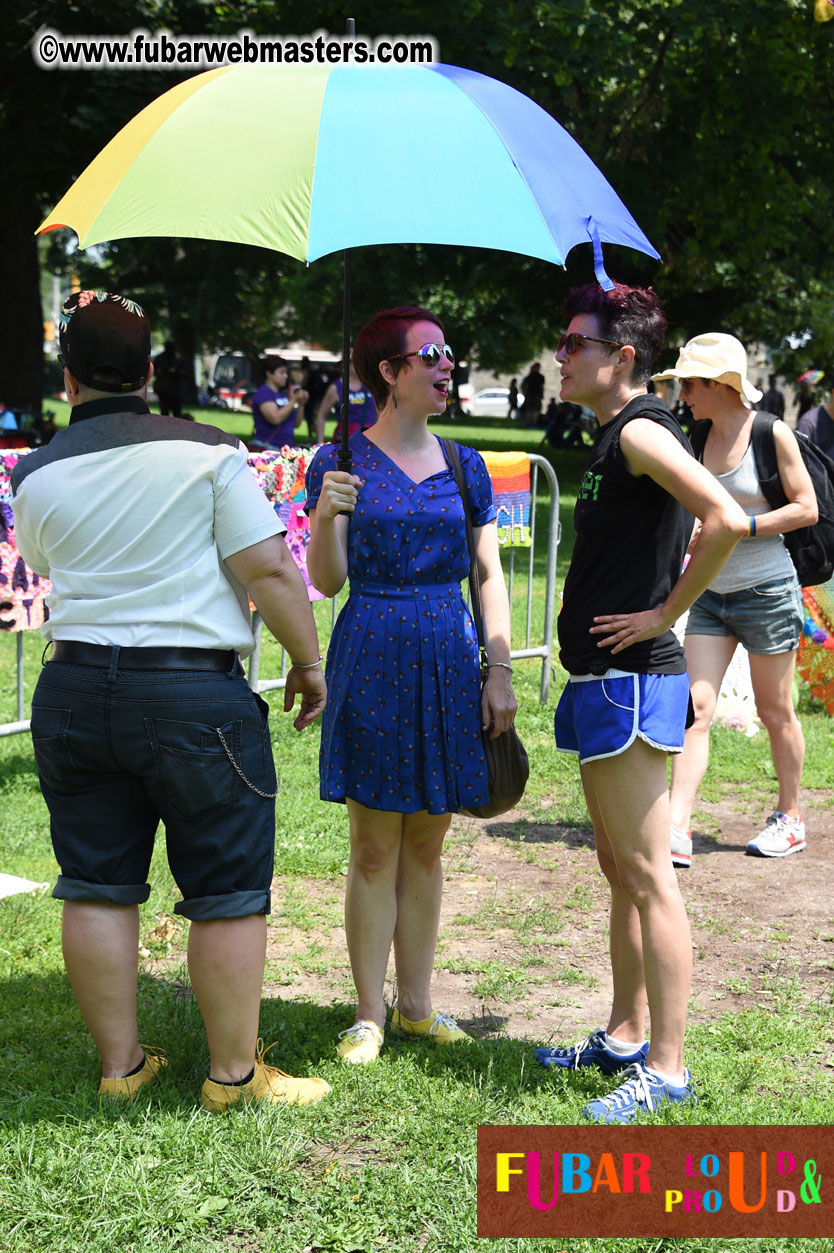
x=760 y=559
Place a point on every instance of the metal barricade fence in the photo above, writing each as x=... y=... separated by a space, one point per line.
x=518 y=557
x=524 y=558
x=22 y=724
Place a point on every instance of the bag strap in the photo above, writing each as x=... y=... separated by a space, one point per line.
x=764 y=456
x=453 y=457
x=698 y=438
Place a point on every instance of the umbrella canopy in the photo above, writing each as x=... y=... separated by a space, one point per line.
x=811 y=376
x=309 y=160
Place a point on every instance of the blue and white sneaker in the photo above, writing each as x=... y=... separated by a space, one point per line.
x=641 y=1093
x=592 y=1051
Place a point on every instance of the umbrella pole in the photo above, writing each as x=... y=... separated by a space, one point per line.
x=345 y=458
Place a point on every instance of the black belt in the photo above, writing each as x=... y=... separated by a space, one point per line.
x=78 y=653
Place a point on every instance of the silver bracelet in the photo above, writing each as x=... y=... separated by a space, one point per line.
x=504 y=665
x=311 y=665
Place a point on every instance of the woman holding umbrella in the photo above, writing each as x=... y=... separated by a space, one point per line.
x=401 y=743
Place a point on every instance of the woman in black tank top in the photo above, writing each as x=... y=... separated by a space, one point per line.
x=623 y=592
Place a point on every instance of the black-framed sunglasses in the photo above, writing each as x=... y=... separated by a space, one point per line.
x=686 y=385
x=429 y=354
x=571 y=343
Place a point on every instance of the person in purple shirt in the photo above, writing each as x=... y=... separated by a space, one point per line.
x=276 y=408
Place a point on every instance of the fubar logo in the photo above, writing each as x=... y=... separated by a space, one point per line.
x=655 y=1181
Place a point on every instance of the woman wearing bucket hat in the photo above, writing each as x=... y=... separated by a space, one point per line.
x=755 y=599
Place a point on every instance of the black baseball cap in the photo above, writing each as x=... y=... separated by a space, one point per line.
x=105 y=341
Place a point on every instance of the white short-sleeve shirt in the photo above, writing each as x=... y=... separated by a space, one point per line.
x=131 y=516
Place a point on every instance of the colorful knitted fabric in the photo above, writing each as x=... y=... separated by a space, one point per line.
x=816 y=644
x=510 y=474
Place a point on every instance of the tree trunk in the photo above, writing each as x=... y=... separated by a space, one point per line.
x=21 y=318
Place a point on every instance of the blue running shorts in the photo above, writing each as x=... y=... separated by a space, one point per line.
x=602 y=715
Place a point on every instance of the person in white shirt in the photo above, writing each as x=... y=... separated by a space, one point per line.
x=154 y=534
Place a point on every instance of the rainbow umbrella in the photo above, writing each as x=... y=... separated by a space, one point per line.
x=811 y=376
x=336 y=157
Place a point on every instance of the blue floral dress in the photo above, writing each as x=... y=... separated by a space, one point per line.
x=401 y=730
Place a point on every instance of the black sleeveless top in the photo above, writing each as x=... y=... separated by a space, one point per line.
x=631 y=539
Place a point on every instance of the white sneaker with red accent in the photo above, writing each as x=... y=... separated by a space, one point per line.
x=680 y=843
x=781 y=837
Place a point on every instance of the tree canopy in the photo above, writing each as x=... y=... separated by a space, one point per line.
x=711 y=120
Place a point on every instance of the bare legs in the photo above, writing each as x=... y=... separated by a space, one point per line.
x=226 y=964
x=651 y=949
x=707 y=658
x=772 y=676
x=393 y=895
x=101 y=953
x=225 y=958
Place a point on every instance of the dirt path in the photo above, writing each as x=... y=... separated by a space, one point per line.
x=524 y=925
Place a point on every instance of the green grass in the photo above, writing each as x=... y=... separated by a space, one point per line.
x=387 y=1162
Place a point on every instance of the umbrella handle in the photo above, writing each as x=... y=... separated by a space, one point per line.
x=345 y=458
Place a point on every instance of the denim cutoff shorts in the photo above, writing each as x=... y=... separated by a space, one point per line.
x=602 y=716
x=118 y=753
x=766 y=618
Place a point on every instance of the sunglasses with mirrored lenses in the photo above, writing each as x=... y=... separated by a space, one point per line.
x=429 y=354
x=571 y=343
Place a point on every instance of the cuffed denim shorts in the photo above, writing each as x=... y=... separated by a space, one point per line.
x=119 y=752
x=767 y=618
x=602 y=716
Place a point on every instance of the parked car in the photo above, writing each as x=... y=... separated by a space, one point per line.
x=489 y=402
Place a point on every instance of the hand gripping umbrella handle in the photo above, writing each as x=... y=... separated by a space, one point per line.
x=345 y=458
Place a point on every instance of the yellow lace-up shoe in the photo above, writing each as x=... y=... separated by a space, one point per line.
x=438 y=1026
x=267 y=1084
x=361 y=1043
x=126 y=1087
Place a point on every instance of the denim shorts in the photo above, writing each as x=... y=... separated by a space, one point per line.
x=118 y=753
x=601 y=716
x=767 y=618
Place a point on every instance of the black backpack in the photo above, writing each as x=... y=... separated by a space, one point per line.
x=811 y=547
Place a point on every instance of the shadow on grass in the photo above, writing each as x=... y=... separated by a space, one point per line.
x=526 y=831
x=703 y=845
x=51 y=1069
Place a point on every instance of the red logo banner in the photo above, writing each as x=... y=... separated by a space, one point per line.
x=763 y=1181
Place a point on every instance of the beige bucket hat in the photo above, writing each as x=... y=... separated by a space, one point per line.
x=715 y=356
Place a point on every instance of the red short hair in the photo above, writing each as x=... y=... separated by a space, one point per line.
x=382 y=338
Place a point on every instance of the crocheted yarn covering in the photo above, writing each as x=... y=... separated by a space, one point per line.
x=816 y=644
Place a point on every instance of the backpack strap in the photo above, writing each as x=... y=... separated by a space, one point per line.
x=764 y=455
x=698 y=438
